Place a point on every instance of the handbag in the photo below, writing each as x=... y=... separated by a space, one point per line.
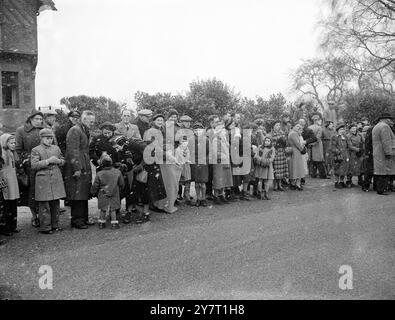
x=142 y=176
x=23 y=178
x=288 y=151
x=3 y=184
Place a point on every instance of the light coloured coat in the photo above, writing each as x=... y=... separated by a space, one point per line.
x=8 y=171
x=296 y=164
x=383 y=145
x=49 y=184
x=132 y=132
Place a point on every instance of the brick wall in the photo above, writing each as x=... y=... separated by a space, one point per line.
x=18 y=20
x=24 y=66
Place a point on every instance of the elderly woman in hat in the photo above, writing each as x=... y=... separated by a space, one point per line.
x=341 y=155
x=153 y=158
x=102 y=144
x=46 y=160
x=27 y=137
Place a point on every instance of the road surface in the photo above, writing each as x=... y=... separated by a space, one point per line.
x=291 y=247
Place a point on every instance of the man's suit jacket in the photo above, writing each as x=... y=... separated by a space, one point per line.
x=131 y=132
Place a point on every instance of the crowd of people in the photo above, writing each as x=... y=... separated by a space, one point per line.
x=153 y=161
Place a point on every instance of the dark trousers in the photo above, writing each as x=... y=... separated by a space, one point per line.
x=315 y=165
x=381 y=183
x=367 y=180
x=48 y=213
x=10 y=215
x=209 y=184
x=79 y=212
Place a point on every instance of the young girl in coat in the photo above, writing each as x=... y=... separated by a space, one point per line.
x=264 y=167
x=49 y=187
x=107 y=187
x=11 y=193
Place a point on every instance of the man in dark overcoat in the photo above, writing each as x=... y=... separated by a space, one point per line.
x=78 y=173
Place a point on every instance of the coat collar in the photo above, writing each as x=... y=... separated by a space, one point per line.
x=28 y=127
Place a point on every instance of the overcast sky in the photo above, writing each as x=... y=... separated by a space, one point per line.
x=115 y=48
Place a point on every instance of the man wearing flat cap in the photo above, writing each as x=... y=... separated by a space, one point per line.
x=49 y=119
x=383 y=152
x=78 y=172
x=143 y=121
x=126 y=128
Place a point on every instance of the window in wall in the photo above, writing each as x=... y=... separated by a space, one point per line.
x=10 y=90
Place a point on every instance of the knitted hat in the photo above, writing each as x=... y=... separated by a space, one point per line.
x=105 y=160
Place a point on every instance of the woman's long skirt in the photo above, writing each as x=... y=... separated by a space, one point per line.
x=280 y=165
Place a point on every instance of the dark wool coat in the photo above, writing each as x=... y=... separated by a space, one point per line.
x=340 y=150
x=27 y=137
x=369 y=152
x=309 y=136
x=199 y=168
x=107 y=187
x=49 y=182
x=383 y=145
x=156 y=186
x=77 y=159
x=61 y=135
x=355 y=147
x=99 y=145
x=326 y=141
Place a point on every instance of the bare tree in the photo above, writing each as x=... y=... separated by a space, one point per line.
x=322 y=79
x=362 y=32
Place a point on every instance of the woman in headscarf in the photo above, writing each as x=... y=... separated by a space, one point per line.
x=280 y=163
x=28 y=137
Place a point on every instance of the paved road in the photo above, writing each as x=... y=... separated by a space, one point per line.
x=289 y=248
